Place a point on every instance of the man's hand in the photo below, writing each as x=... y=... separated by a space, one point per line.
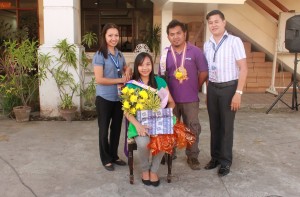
x=236 y=102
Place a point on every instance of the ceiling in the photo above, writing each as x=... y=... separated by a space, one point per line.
x=188 y=9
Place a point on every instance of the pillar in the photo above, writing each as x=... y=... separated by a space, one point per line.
x=61 y=20
x=166 y=17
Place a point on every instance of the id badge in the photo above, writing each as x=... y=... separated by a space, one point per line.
x=213 y=72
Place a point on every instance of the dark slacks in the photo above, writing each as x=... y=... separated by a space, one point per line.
x=110 y=114
x=221 y=119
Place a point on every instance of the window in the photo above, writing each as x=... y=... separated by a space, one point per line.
x=18 y=18
x=134 y=18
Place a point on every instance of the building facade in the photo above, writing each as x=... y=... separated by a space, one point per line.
x=54 y=20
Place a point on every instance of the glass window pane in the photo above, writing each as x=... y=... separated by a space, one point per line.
x=135 y=24
x=130 y=4
x=144 y=4
x=122 y=4
x=144 y=21
x=104 y=4
x=28 y=4
x=89 y=3
x=28 y=22
x=7 y=4
x=8 y=24
x=90 y=23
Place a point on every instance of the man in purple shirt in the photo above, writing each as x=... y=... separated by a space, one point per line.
x=185 y=69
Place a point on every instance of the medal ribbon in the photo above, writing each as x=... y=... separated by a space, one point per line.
x=218 y=46
x=116 y=63
x=183 y=56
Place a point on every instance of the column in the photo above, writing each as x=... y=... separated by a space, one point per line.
x=61 y=20
x=166 y=17
x=207 y=34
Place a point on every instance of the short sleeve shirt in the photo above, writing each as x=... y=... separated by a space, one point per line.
x=108 y=92
x=195 y=62
x=223 y=67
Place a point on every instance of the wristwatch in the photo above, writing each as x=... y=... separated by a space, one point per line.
x=239 y=92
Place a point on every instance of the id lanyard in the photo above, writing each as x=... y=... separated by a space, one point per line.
x=218 y=46
x=116 y=63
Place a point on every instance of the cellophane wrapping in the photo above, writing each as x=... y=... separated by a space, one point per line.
x=182 y=137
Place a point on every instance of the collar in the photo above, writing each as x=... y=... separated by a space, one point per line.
x=188 y=46
x=116 y=52
x=211 y=39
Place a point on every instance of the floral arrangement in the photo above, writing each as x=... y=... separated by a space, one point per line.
x=136 y=99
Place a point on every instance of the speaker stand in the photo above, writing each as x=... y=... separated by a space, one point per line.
x=295 y=85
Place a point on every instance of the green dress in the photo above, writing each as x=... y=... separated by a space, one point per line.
x=161 y=83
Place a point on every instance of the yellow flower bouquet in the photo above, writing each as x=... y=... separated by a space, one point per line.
x=137 y=99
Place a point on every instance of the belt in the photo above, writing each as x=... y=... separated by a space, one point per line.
x=224 y=84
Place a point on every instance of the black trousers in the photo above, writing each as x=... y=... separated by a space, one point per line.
x=110 y=115
x=221 y=120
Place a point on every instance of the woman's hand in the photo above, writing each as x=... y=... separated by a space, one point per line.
x=127 y=73
x=142 y=130
x=123 y=80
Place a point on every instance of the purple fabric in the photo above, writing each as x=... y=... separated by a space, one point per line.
x=195 y=62
x=125 y=143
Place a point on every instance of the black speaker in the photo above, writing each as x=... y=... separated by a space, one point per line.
x=292 y=34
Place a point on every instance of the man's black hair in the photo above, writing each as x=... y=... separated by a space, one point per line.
x=175 y=23
x=215 y=12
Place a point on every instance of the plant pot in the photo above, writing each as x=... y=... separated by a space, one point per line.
x=22 y=113
x=68 y=114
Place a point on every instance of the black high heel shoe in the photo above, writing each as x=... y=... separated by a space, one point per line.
x=155 y=183
x=146 y=182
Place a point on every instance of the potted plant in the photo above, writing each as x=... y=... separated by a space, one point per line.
x=21 y=79
x=88 y=89
x=63 y=76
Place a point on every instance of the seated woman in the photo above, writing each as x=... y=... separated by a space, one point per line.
x=144 y=73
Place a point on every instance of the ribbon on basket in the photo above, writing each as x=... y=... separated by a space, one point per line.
x=181 y=138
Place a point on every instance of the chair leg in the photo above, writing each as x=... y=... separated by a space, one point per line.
x=163 y=160
x=130 y=163
x=169 y=161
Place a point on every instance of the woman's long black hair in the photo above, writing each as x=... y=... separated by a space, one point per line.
x=137 y=62
x=103 y=44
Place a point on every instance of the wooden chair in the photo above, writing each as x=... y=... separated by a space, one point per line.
x=131 y=147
